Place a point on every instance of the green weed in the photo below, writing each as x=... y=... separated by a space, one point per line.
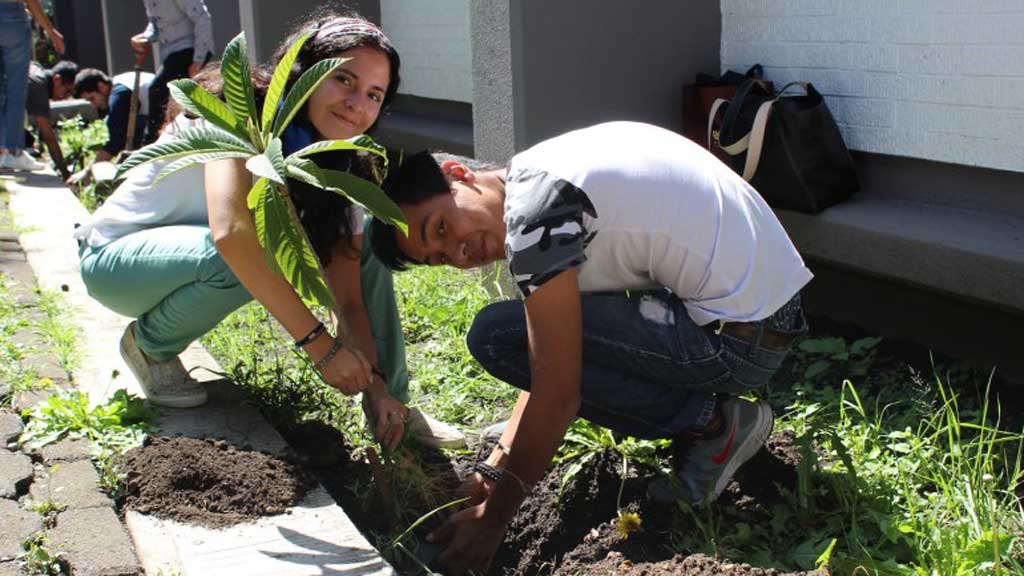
x=79 y=141
x=61 y=334
x=112 y=428
x=38 y=558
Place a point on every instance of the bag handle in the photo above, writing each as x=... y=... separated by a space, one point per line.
x=741 y=95
x=761 y=125
x=711 y=117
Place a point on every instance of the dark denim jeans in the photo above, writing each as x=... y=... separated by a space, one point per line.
x=648 y=370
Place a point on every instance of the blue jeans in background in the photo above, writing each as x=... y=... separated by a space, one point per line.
x=15 y=54
x=648 y=370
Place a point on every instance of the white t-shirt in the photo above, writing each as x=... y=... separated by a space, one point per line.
x=127 y=79
x=179 y=199
x=635 y=206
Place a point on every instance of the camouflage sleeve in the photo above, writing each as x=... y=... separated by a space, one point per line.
x=546 y=233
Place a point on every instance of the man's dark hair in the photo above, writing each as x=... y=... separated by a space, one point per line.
x=88 y=80
x=415 y=179
x=67 y=70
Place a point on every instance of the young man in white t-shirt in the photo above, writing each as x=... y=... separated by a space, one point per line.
x=657 y=284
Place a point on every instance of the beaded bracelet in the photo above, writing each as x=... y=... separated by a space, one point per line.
x=487 y=471
x=313 y=335
x=338 y=345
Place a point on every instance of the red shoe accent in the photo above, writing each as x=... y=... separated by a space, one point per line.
x=721 y=456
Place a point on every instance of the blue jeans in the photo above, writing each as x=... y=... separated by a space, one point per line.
x=648 y=370
x=15 y=54
x=173 y=281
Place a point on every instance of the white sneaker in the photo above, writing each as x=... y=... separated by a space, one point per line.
x=428 y=431
x=165 y=383
x=22 y=161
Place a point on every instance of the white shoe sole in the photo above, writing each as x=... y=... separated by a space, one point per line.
x=749 y=447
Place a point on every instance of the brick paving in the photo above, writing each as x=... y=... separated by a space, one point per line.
x=87 y=532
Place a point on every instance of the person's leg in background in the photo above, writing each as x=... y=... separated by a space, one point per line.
x=174 y=66
x=15 y=55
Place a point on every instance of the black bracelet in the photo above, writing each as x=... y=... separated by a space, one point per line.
x=313 y=335
x=487 y=471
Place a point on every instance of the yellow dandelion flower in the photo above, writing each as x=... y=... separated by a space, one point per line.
x=627 y=523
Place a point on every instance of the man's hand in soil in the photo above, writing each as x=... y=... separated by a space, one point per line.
x=475 y=536
x=476 y=488
x=388 y=416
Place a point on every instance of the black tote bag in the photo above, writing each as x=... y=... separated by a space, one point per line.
x=788 y=147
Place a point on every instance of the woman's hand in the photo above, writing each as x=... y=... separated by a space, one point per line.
x=387 y=416
x=347 y=370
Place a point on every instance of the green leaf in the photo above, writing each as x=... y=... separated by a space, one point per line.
x=328 y=145
x=816 y=369
x=193 y=159
x=294 y=256
x=234 y=68
x=303 y=88
x=253 y=199
x=830 y=346
x=862 y=346
x=270 y=164
x=308 y=172
x=277 y=83
x=366 y=195
x=195 y=140
x=198 y=101
x=825 y=556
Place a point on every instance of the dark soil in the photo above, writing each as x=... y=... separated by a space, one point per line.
x=615 y=564
x=210 y=483
x=576 y=533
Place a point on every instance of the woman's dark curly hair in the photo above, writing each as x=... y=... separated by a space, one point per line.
x=324 y=214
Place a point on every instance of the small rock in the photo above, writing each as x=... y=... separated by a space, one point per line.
x=64 y=288
x=73 y=484
x=26 y=401
x=19 y=524
x=10 y=427
x=67 y=451
x=15 y=474
x=10 y=569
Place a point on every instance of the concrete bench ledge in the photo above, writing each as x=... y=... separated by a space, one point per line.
x=972 y=255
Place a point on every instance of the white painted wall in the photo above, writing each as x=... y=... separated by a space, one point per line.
x=935 y=79
x=433 y=39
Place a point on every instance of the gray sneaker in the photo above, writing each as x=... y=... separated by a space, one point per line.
x=164 y=383
x=709 y=464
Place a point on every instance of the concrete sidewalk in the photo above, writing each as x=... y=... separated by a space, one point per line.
x=315 y=537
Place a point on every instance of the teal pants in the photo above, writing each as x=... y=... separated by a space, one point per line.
x=172 y=280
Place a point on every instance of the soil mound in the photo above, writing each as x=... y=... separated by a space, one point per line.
x=210 y=483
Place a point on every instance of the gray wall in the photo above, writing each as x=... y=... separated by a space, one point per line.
x=582 y=62
x=78 y=21
x=121 y=21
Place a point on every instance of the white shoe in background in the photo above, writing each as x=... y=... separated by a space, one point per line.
x=21 y=161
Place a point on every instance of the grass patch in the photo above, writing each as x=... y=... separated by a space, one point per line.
x=902 y=472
